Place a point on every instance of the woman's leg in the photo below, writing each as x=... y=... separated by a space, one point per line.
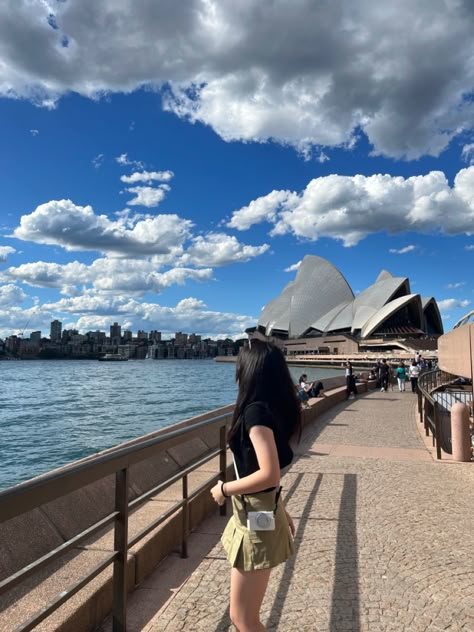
x=247 y=590
x=399 y=384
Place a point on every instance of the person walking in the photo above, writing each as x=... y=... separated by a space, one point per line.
x=384 y=375
x=259 y=535
x=413 y=374
x=351 y=390
x=401 y=377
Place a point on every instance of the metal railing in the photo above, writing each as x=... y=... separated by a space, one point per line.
x=429 y=407
x=43 y=489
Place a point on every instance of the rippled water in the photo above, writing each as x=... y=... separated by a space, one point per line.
x=53 y=412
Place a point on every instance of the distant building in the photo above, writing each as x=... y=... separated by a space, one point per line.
x=35 y=337
x=115 y=334
x=55 y=331
x=180 y=339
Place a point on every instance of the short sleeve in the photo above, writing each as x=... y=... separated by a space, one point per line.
x=258 y=414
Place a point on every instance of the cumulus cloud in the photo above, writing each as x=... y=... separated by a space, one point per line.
x=11 y=295
x=303 y=74
x=125 y=161
x=294 y=267
x=349 y=208
x=147 y=196
x=5 y=251
x=449 y=304
x=403 y=251
x=135 y=277
x=219 y=249
x=63 y=223
x=148 y=176
x=467 y=153
x=189 y=314
x=263 y=209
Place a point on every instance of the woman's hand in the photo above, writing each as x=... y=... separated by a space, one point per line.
x=291 y=524
x=216 y=492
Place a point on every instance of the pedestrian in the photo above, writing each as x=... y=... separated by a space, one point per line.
x=351 y=390
x=413 y=373
x=384 y=375
x=259 y=535
x=401 y=377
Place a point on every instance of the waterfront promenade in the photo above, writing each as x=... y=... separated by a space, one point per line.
x=384 y=538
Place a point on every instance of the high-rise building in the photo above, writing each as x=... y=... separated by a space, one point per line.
x=55 y=331
x=35 y=336
x=180 y=339
x=155 y=336
x=115 y=334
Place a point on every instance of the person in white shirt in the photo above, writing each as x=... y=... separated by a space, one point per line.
x=413 y=373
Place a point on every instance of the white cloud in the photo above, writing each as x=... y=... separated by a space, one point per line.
x=219 y=249
x=402 y=251
x=11 y=295
x=134 y=277
x=63 y=223
x=263 y=209
x=189 y=314
x=449 y=304
x=471 y=247
x=322 y=157
x=125 y=161
x=294 y=267
x=4 y=252
x=467 y=153
x=98 y=161
x=349 y=208
x=454 y=286
x=148 y=176
x=147 y=196
x=34 y=132
x=305 y=75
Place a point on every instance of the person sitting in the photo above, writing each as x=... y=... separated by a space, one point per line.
x=312 y=389
x=302 y=395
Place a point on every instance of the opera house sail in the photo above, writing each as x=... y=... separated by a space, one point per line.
x=320 y=302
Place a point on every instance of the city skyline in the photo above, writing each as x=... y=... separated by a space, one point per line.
x=176 y=181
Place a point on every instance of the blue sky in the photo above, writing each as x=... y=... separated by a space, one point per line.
x=167 y=165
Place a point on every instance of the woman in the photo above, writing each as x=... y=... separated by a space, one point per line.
x=401 y=376
x=351 y=390
x=414 y=372
x=266 y=416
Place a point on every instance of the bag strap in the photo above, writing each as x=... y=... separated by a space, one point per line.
x=277 y=497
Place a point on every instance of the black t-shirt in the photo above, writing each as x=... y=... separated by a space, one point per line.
x=257 y=414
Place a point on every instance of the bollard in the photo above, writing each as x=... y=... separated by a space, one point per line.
x=460 y=436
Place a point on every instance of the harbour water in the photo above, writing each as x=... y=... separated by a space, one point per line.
x=53 y=412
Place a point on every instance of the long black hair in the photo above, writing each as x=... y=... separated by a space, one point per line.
x=263 y=376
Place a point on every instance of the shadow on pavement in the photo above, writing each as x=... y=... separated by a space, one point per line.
x=282 y=590
x=345 y=606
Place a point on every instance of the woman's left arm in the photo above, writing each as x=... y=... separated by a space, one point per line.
x=267 y=475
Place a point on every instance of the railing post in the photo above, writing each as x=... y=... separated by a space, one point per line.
x=437 y=430
x=223 y=462
x=119 y=608
x=185 y=522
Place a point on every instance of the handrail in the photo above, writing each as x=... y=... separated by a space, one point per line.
x=48 y=487
x=428 y=406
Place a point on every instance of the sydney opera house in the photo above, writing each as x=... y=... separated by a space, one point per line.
x=319 y=303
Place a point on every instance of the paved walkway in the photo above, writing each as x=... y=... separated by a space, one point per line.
x=385 y=537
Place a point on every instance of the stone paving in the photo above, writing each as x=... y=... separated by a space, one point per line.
x=385 y=538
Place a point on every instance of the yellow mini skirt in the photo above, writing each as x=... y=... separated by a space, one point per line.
x=252 y=550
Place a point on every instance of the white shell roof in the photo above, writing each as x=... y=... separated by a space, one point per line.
x=386 y=311
x=321 y=299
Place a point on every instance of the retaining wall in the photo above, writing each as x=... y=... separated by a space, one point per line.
x=28 y=537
